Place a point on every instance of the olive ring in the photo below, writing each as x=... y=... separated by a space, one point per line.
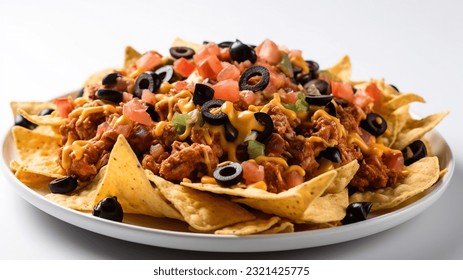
x=252 y=72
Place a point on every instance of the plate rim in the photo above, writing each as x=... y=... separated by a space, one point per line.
x=207 y=242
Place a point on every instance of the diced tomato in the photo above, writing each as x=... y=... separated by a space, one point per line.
x=184 y=67
x=292 y=179
x=148 y=97
x=210 y=49
x=136 y=111
x=361 y=99
x=229 y=72
x=394 y=160
x=102 y=127
x=126 y=96
x=227 y=90
x=180 y=85
x=248 y=96
x=269 y=51
x=342 y=90
x=123 y=129
x=224 y=54
x=252 y=172
x=373 y=91
x=64 y=106
x=149 y=60
x=290 y=97
x=210 y=67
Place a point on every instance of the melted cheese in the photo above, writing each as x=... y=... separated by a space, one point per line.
x=75 y=148
x=278 y=160
x=296 y=168
x=83 y=113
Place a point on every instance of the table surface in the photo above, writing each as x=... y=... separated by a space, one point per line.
x=48 y=48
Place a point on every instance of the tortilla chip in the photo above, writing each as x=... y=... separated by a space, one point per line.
x=201 y=210
x=126 y=179
x=330 y=207
x=292 y=203
x=178 y=42
x=342 y=70
x=344 y=175
x=250 y=227
x=416 y=129
x=38 y=153
x=422 y=175
x=280 y=227
x=32 y=180
x=131 y=56
x=83 y=198
x=52 y=119
x=32 y=108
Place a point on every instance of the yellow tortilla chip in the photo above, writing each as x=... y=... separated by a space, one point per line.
x=52 y=119
x=292 y=203
x=342 y=70
x=249 y=227
x=83 y=198
x=344 y=175
x=178 y=42
x=126 y=179
x=280 y=227
x=32 y=108
x=38 y=153
x=201 y=210
x=422 y=175
x=131 y=56
x=330 y=207
x=415 y=129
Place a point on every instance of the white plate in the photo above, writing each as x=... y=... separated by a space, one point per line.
x=151 y=232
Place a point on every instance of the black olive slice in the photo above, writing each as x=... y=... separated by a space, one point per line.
x=179 y=52
x=394 y=87
x=252 y=72
x=228 y=175
x=225 y=44
x=374 y=124
x=331 y=109
x=265 y=120
x=357 y=212
x=109 y=95
x=240 y=52
x=341 y=102
x=322 y=86
x=63 y=185
x=313 y=66
x=110 y=79
x=319 y=100
x=45 y=112
x=202 y=94
x=166 y=74
x=332 y=154
x=81 y=92
x=152 y=112
x=231 y=133
x=109 y=208
x=214 y=118
x=414 y=152
x=147 y=80
x=22 y=121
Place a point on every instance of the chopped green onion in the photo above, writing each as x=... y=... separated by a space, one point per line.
x=255 y=148
x=180 y=122
x=300 y=106
x=285 y=65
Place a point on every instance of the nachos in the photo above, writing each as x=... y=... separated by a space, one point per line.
x=229 y=138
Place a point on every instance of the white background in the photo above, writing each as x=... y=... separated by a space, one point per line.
x=48 y=48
